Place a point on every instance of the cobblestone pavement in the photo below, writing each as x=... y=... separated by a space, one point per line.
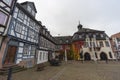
x=73 y=70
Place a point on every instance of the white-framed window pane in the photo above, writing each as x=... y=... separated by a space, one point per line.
x=3 y=18
x=20 y=50
x=18 y=28
x=9 y=2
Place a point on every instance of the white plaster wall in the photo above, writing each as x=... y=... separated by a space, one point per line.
x=42 y=56
x=103 y=49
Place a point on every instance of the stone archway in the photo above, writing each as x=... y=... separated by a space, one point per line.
x=103 y=56
x=87 y=57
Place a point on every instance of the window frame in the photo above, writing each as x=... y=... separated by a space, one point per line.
x=26 y=47
x=107 y=44
x=6 y=19
x=20 y=27
x=19 y=15
x=8 y=3
x=102 y=44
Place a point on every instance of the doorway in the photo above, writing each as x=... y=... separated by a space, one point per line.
x=10 y=57
x=87 y=57
x=103 y=56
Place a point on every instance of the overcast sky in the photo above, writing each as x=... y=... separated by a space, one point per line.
x=62 y=16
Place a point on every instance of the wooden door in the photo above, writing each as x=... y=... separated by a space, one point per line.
x=10 y=57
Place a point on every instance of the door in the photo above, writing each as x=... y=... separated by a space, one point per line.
x=10 y=57
x=103 y=56
x=87 y=57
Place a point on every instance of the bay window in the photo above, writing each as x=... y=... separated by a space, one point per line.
x=3 y=18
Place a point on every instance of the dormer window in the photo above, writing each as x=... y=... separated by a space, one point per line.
x=87 y=36
x=60 y=41
x=21 y=15
x=94 y=36
x=80 y=36
x=101 y=35
x=67 y=41
x=33 y=13
x=29 y=8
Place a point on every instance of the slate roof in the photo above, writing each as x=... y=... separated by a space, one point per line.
x=82 y=34
x=28 y=2
x=63 y=39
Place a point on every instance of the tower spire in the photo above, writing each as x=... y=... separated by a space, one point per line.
x=79 y=26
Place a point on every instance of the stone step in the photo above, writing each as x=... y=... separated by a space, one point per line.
x=15 y=68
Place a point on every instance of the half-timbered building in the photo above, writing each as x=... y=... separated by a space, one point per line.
x=6 y=10
x=46 y=46
x=23 y=34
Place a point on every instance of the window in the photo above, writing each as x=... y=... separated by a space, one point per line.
x=18 y=28
x=31 y=33
x=21 y=15
x=67 y=41
x=87 y=36
x=8 y=2
x=118 y=47
x=94 y=36
x=107 y=44
x=43 y=31
x=101 y=35
x=31 y=23
x=110 y=54
x=43 y=56
x=61 y=41
x=46 y=56
x=40 y=56
x=86 y=44
x=33 y=50
x=33 y=13
x=29 y=8
x=80 y=36
x=101 y=44
x=3 y=18
x=26 y=49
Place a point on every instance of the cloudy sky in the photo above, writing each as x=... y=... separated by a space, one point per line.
x=62 y=16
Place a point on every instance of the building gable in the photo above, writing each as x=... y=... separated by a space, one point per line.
x=30 y=7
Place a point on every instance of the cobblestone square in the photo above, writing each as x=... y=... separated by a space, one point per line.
x=73 y=70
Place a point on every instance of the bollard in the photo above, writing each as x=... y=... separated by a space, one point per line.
x=9 y=74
